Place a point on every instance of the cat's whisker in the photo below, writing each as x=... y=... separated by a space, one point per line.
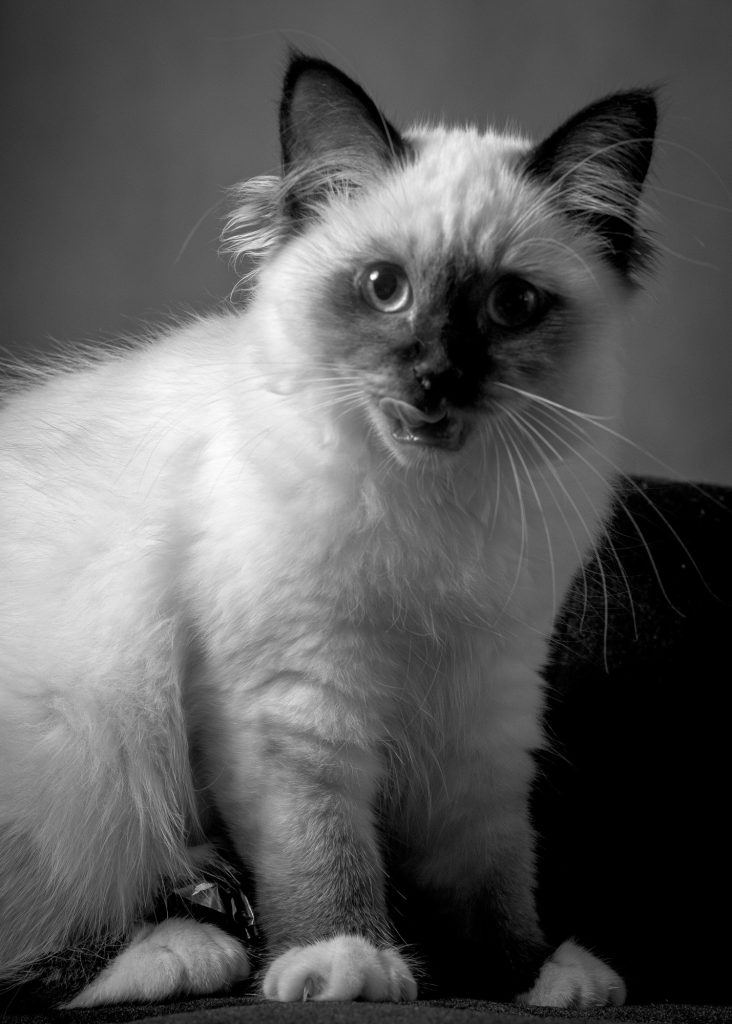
x=629 y=479
x=489 y=454
x=663 y=141
x=257 y=439
x=590 y=160
x=520 y=560
x=684 y=258
x=536 y=244
x=547 y=462
x=538 y=433
x=539 y=427
x=582 y=567
x=704 y=203
x=617 y=471
x=534 y=397
x=544 y=521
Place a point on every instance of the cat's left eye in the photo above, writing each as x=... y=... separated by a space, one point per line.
x=515 y=303
x=385 y=287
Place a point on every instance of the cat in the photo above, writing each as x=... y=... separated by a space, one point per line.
x=298 y=565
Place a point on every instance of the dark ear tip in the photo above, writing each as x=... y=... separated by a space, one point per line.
x=294 y=53
x=644 y=104
x=632 y=107
x=300 y=63
x=297 y=62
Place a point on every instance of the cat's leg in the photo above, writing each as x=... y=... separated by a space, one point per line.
x=475 y=906
x=308 y=833
x=490 y=941
x=178 y=957
x=470 y=908
x=321 y=896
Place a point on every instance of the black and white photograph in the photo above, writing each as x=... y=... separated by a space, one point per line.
x=365 y=511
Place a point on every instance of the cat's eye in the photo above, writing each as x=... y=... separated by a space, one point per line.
x=385 y=287
x=515 y=303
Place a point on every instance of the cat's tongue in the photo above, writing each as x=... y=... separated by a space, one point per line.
x=411 y=425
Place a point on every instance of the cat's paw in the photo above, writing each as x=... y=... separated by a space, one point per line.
x=344 y=968
x=574 y=977
x=177 y=957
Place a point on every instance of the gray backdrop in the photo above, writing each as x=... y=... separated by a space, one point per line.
x=124 y=120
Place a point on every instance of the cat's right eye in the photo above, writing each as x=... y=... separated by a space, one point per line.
x=385 y=287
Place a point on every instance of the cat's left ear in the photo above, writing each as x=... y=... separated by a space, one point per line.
x=332 y=134
x=594 y=166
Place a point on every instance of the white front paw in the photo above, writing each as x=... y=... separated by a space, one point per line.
x=344 y=968
x=574 y=977
x=174 y=958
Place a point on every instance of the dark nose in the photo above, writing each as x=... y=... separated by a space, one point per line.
x=436 y=376
x=423 y=377
x=431 y=368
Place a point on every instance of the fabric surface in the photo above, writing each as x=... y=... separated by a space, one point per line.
x=633 y=807
x=632 y=801
x=244 y=1009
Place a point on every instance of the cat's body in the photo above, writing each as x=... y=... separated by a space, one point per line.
x=301 y=563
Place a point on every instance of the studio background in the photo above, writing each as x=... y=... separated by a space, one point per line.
x=123 y=122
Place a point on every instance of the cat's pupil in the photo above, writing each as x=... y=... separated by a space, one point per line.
x=384 y=282
x=514 y=303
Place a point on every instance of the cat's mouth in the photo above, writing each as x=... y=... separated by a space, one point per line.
x=410 y=425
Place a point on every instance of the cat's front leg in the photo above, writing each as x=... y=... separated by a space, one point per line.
x=464 y=849
x=310 y=838
x=470 y=907
x=475 y=908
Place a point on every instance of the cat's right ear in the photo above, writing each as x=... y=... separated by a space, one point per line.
x=333 y=136
x=594 y=166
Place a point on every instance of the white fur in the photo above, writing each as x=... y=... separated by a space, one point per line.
x=574 y=977
x=174 y=958
x=208 y=500
x=344 y=968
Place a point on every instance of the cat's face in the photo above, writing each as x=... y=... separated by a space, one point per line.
x=437 y=278
x=437 y=291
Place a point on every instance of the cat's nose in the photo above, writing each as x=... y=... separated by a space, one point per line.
x=429 y=370
x=436 y=376
x=423 y=378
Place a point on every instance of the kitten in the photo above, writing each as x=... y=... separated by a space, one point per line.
x=301 y=563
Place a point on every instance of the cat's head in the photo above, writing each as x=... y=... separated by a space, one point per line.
x=436 y=278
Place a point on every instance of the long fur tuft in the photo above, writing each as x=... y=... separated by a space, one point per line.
x=260 y=224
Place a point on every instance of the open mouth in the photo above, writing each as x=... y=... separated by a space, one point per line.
x=410 y=425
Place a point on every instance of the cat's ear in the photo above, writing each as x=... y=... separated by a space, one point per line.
x=333 y=136
x=594 y=166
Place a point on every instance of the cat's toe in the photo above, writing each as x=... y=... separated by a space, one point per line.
x=344 y=968
x=574 y=977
